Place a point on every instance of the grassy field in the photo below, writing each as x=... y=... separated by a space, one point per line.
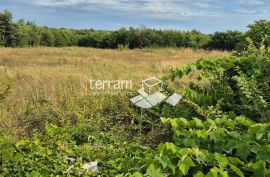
x=49 y=81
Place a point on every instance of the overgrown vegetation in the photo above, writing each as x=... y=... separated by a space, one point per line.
x=227 y=132
x=220 y=128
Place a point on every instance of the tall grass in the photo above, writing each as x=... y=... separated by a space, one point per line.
x=58 y=77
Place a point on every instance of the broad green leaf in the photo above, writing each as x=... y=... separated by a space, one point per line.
x=202 y=134
x=222 y=160
x=164 y=120
x=193 y=67
x=259 y=135
x=199 y=174
x=263 y=152
x=237 y=170
x=198 y=122
x=259 y=169
x=166 y=162
x=137 y=174
x=185 y=163
x=243 y=151
x=213 y=172
x=171 y=147
x=154 y=172
x=184 y=122
x=223 y=173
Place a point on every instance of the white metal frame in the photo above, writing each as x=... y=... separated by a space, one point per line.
x=158 y=81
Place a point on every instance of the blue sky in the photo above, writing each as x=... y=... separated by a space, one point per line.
x=205 y=15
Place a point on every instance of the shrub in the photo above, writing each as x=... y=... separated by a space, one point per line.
x=35 y=117
x=40 y=156
x=46 y=154
x=214 y=147
x=239 y=85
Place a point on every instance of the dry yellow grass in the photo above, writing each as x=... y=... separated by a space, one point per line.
x=52 y=73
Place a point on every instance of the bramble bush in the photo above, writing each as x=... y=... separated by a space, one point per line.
x=232 y=85
x=214 y=147
x=46 y=154
x=224 y=128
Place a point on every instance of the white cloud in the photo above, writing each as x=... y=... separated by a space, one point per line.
x=162 y=9
x=59 y=3
x=205 y=5
x=245 y=11
x=252 y=2
x=208 y=15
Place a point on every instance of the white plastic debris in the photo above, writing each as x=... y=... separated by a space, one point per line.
x=70 y=159
x=70 y=168
x=92 y=166
x=136 y=99
x=143 y=104
x=142 y=92
x=173 y=99
x=155 y=98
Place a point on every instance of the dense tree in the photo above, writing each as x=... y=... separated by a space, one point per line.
x=23 y=32
x=7 y=29
x=259 y=33
x=226 y=40
x=28 y=34
x=35 y=34
x=199 y=40
x=47 y=37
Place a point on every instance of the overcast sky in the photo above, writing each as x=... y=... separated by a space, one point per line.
x=205 y=15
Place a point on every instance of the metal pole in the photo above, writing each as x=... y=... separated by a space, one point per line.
x=140 y=123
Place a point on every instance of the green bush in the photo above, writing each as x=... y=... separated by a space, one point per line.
x=35 y=117
x=237 y=85
x=46 y=154
x=214 y=147
x=39 y=156
x=212 y=135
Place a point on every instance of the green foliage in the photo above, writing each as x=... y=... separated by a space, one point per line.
x=259 y=33
x=226 y=40
x=216 y=143
x=39 y=156
x=213 y=136
x=215 y=147
x=46 y=154
x=7 y=29
x=116 y=157
x=122 y=47
x=220 y=128
x=239 y=85
x=27 y=34
x=34 y=118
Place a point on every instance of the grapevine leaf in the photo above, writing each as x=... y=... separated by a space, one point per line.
x=154 y=172
x=222 y=160
x=237 y=170
x=199 y=174
x=185 y=163
x=259 y=169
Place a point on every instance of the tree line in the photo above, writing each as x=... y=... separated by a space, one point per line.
x=28 y=34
